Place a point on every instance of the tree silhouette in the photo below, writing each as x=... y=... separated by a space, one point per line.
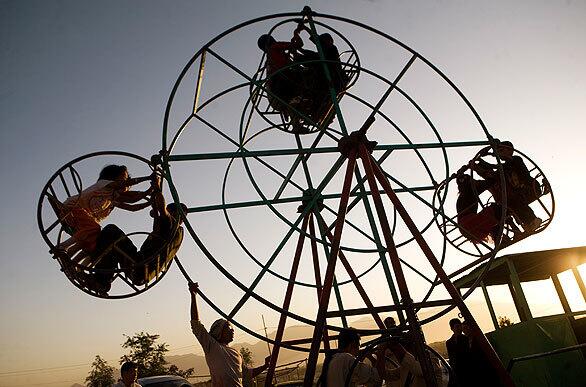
x=247 y=358
x=149 y=356
x=101 y=374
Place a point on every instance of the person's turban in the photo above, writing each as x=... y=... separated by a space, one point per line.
x=217 y=327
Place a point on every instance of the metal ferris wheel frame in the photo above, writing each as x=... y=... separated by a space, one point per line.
x=353 y=147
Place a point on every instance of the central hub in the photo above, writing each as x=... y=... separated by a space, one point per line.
x=308 y=196
x=352 y=142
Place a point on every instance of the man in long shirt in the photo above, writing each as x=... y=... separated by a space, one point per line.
x=340 y=364
x=224 y=362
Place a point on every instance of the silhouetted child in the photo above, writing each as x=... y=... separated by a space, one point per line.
x=83 y=212
x=478 y=226
x=521 y=188
x=154 y=255
x=282 y=80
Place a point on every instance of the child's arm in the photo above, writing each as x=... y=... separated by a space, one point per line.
x=193 y=287
x=133 y=196
x=117 y=185
x=133 y=207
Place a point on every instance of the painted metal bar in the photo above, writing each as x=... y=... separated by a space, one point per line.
x=286 y=303
x=317 y=273
x=449 y=286
x=562 y=295
x=202 y=62
x=52 y=226
x=332 y=91
x=293 y=151
x=389 y=308
x=358 y=198
x=379 y=104
x=355 y=280
x=273 y=169
x=518 y=307
x=296 y=164
x=327 y=252
x=490 y=306
x=320 y=320
x=64 y=184
x=379 y=245
x=253 y=203
x=580 y=282
x=73 y=174
x=544 y=354
x=251 y=287
x=304 y=163
x=520 y=295
x=416 y=332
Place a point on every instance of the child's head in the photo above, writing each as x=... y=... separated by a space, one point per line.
x=456 y=326
x=114 y=172
x=173 y=210
x=349 y=340
x=325 y=39
x=464 y=182
x=265 y=41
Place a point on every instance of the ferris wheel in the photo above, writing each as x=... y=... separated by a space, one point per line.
x=331 y=169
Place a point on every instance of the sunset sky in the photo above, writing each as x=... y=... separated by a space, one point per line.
x=81 y=76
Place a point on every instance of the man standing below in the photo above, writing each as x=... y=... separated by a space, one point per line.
x=129 y=373
x=458 y=347
x=339 y=366
x=224 y=362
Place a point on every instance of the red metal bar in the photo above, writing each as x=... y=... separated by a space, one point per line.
x=483 y=341
x=356 y=282
x=317 y=272
x=329 y=276
x=414 y=326
x=286 y=303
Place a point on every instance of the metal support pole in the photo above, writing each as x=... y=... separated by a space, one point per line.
x=562 y=296
x=451 y=289
x=355 y=280
x=329 y=275
x=317 y=272
x=518 y=290
x=286 y=302
x=414 y=326
x=490 y=307
x=580 y=282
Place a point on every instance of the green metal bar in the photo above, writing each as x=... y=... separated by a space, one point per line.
x=544 y=354
x=332 y=91
x=296 y=164
x=273 y=169
x=293 y=199
x=379 y=243
x=389 y=308
x=287 y=152
x=562 y=295
x=322 y=232
x=518 y=290
x=490 y=307
x=379 y=104
x=202 y=62
x=580 y=282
